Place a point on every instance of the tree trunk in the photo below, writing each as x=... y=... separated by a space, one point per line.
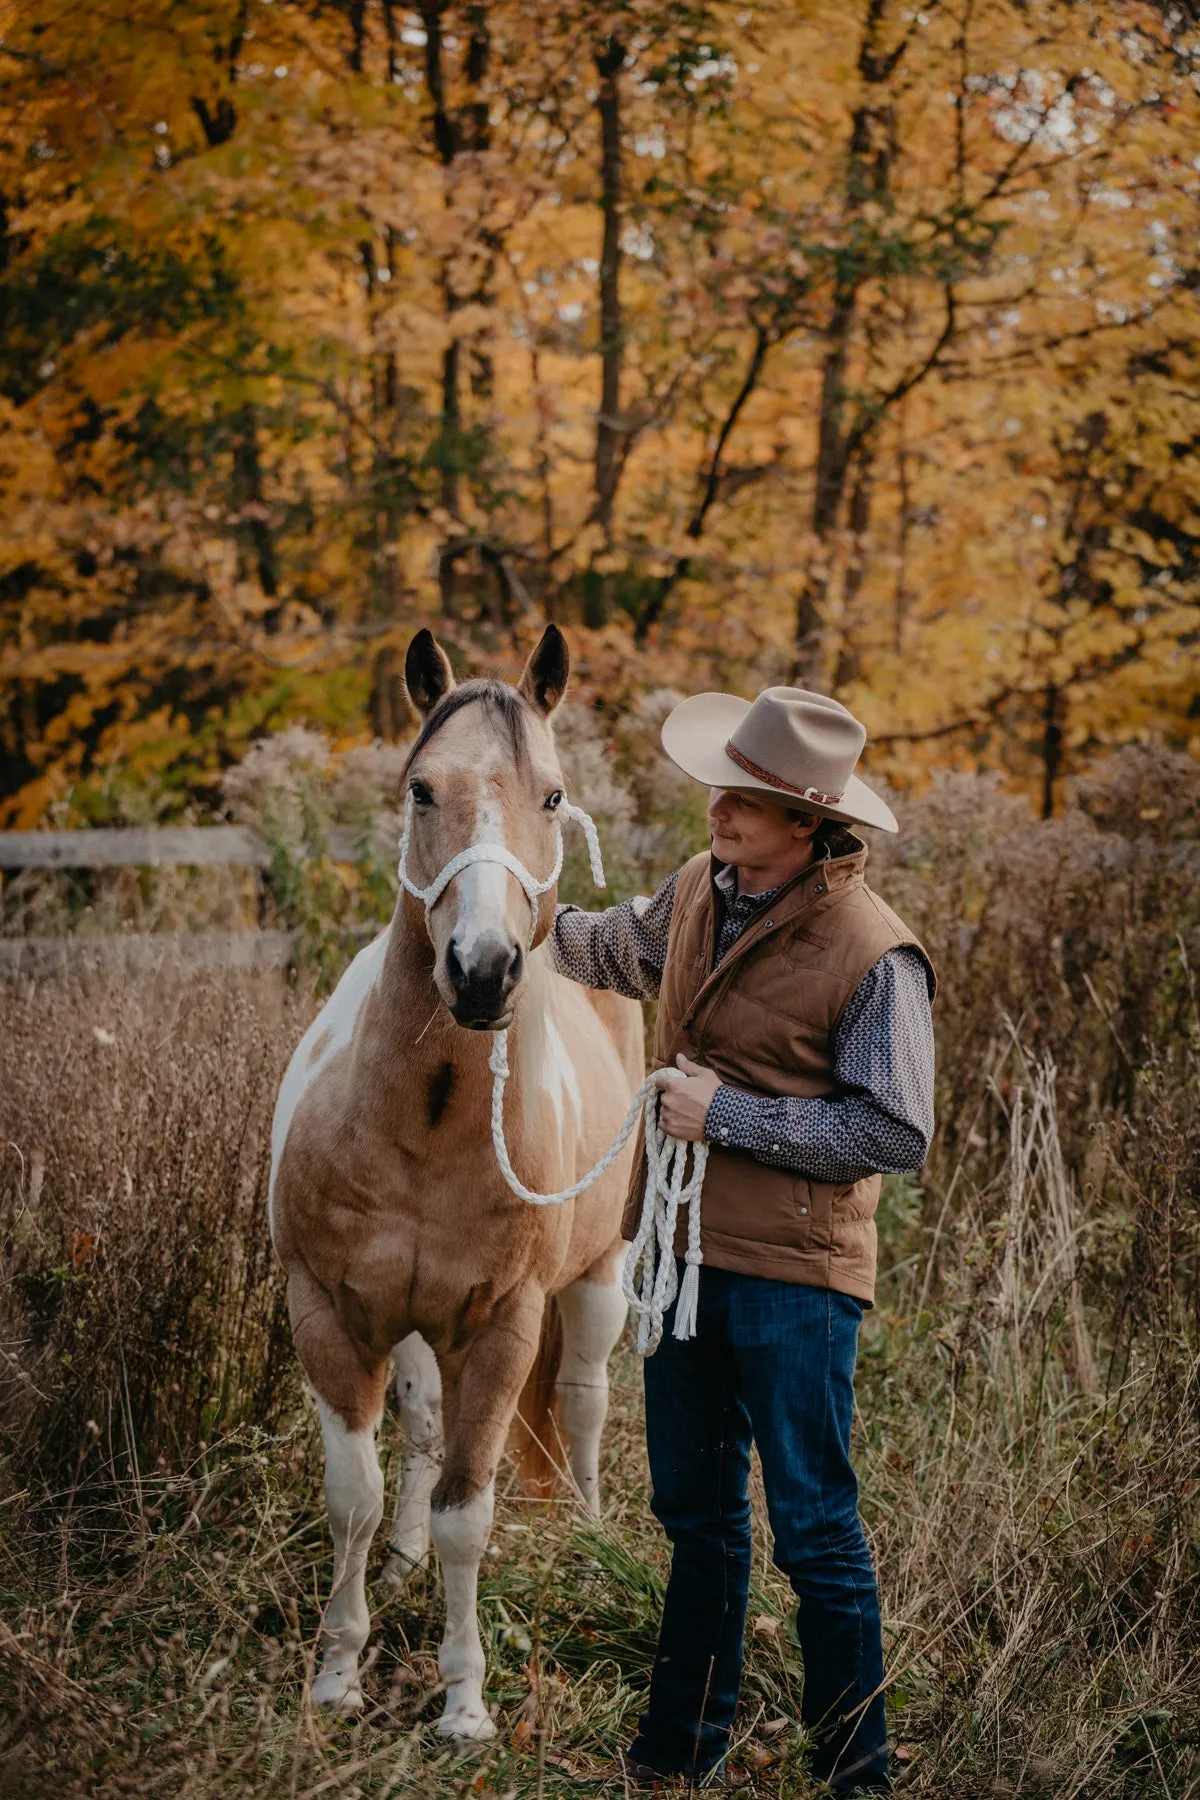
x=811 y=608
x=389 y=701
x=358 y=33
x=859 y=521
x=609 y=63
x=1053 y=708
x=389 y=38
x=454 y=131
x=248 y=498
x=900 y=599
x=868 y=170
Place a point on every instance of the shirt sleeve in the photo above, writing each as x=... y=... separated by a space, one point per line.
x=883 y=1060
x=623 y=948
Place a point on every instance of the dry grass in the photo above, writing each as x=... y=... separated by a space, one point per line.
x=1029 y=1438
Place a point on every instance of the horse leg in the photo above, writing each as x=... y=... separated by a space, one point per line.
x=419 y=1396
x=354 y=1497
x=481 y=1398
x=593 y=1316
x=349 y=1396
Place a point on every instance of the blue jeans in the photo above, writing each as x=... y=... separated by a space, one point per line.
x=773 y=1362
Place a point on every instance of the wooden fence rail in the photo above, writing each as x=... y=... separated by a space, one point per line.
x=153 y=846
x=142 y=952
x=148 y=846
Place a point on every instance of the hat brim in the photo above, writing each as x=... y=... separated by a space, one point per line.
x=694 y=736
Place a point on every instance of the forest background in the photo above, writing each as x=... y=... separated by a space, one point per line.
x=856 y=345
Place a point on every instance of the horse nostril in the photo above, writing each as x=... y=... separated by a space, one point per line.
x=514 y=971
x=454 y=968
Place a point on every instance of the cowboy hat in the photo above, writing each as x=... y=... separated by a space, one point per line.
x=799 y=748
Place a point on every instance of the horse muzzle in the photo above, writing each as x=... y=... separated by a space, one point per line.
x=484 y=980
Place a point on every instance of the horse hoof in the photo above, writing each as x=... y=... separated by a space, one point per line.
x=468 y=1726
x=400 y=1568
x=336 y=1692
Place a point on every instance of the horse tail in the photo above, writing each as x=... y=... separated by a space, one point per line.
x=535 y=1428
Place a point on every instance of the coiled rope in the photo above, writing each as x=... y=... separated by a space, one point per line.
x=668 y=1186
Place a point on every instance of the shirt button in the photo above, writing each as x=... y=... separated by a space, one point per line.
x=818 y=889
x=768 y=924
x=774 y=1146
x=804 y=1209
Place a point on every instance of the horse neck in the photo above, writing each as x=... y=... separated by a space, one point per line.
x=415 y=1037
x=417 y=1050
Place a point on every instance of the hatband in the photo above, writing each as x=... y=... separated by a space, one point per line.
x=752 y=768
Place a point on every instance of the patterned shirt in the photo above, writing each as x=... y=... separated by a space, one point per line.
x=882 y=1045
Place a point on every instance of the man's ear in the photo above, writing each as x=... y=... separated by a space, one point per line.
x=806 y=825
x=545 y=679
x=427 y=672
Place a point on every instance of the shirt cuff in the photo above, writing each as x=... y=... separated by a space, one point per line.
x=722 y=1119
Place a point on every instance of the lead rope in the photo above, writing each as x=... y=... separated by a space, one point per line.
x=667 y=1185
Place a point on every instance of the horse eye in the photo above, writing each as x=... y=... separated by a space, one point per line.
x=554 y=800
x=420 y=793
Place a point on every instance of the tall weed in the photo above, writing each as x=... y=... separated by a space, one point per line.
x=1029 y=1430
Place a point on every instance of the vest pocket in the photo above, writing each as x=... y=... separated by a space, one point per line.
x=804 y=1211
x=820 y=1198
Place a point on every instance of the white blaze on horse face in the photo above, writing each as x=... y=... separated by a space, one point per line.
x=330 y=1031
x=354 y=1497
x=482 y=888
x=460 y=1536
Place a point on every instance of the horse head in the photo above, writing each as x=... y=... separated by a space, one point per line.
x=484 y=772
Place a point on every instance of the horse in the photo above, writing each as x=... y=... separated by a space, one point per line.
x=396 y=1231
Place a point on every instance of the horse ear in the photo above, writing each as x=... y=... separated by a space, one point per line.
x=427 y=672
x=545 y=679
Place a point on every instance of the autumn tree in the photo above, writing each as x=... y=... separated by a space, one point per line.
x=851 y=344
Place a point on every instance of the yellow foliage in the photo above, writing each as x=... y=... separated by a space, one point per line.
x=882 y=377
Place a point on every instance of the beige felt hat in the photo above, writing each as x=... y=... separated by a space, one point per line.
x=798 y=748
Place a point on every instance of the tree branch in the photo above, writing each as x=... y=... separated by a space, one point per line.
x=652 y=610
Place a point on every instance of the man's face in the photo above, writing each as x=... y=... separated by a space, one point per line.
x=750 y=832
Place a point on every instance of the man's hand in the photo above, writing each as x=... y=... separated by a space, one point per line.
x=684 y=1105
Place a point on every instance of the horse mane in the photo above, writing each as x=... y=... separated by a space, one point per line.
x=505 y=707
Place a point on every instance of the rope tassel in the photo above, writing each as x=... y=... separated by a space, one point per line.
x=654 y=1245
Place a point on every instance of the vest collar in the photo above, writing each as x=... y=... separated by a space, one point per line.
x=841 y=862
x=841 y=866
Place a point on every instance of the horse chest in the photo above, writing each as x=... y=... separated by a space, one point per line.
x=401 y=1239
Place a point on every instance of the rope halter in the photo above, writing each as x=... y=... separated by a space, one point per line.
x=666 y=1157
x=500 y=853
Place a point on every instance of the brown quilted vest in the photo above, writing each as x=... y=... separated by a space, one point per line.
x=762 y=1021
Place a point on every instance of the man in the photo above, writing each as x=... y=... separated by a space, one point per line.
x=798 y=1006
